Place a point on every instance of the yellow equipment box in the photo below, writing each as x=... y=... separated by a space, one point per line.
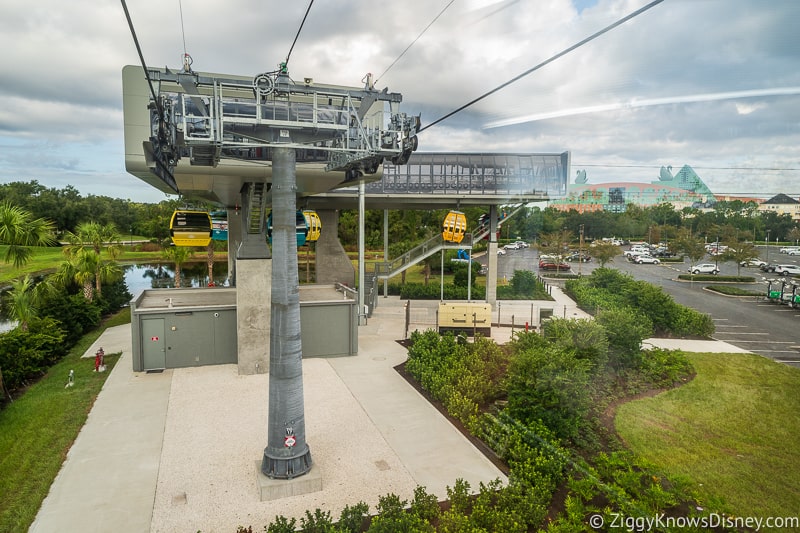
x=466 y=317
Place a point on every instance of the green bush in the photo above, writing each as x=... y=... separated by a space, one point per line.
x=25 y=355
x=587 y=337
x=76 y=314
x=625 y=329
x=551 y=385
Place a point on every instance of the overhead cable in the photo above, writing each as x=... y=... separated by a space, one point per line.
x=546 y=62
x=298 y=33
x=415 y=40
x=141 y=58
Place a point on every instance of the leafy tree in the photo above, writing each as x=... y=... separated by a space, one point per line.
x=690 y=246
x=19 y=230
x=604 y=252
x=22 y=302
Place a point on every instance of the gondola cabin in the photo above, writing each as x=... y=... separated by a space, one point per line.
x=190 y=228
x=314 y=225
x=219 y=225
x=454 y=227
x=301 y=228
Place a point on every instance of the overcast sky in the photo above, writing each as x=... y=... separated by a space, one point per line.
x=714 y=84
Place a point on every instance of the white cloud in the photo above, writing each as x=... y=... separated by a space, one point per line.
x=61 y=83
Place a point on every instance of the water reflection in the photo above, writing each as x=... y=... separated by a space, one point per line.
x=159 y=276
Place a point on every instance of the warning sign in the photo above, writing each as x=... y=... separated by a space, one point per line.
x=153 y=338
x=289 y=441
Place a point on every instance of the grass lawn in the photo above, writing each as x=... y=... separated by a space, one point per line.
x=38 y=429
x=732 y=430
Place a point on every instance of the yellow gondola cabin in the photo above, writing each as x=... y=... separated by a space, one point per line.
x=454 y=227
x=314 y=225
x=190 y=228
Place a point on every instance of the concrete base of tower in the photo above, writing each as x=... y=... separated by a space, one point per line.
x=274 y=489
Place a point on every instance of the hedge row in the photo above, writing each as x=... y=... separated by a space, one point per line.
x=608 y=289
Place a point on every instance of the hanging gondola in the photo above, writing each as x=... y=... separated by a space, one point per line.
x=314 y=225
x=301 y=226
x=190 y=228
x=454 y=227
x=219 y=225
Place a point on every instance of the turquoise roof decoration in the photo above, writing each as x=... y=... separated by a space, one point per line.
x=684 y=187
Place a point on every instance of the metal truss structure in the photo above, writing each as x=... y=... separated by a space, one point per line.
x=208 y=118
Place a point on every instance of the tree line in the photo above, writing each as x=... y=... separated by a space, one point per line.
x=734 y=220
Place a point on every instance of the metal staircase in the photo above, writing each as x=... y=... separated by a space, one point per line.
x=388 y=269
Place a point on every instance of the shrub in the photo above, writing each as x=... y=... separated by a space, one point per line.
x=586 y=337
x=28 y=354
x=625 y=330
x=551 y=385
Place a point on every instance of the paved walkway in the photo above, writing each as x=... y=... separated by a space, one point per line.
x=179 y=450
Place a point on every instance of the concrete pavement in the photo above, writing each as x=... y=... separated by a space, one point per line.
x=179 y=450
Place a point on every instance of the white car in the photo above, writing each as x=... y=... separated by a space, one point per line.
x=794 y=252
x=500 y=251
x=649 y=259
x=512 y=246
x=786 y=270
x=753 y=263
x=521 y=244
x=705 y=268
x=787 y=249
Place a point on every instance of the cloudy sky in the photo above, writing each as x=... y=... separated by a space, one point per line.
x=714 y=84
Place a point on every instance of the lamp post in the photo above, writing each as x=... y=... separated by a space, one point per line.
x=580 y=252
x=766 y=245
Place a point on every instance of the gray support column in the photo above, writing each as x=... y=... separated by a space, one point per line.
x=253 y=270
x=287 y=454
x=386 y=249
x=234 y=240
x=362 y=316
x=332 y=263
x=491 y=272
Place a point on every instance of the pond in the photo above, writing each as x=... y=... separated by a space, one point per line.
x=158 y=276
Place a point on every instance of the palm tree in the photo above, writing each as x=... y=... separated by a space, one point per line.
x=19 y=230
x=99 y=238
x=178 y=255
x=81 y=266
x=210 y=262
x=21 y=302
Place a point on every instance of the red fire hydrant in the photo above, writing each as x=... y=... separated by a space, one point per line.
x=98 y=359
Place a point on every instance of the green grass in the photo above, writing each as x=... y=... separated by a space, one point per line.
x=732 y=430
x=733 y=291
x=38 y=429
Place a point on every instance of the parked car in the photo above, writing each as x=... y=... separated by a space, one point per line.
x=787 y=249
x=511 y=246
x=501 y=251
x=646 y=259
x=795 y=251
x=704 y=268
x=786 y=270
x=553 y=265
x=575 y=256
x=768 y=267
x=522 y=244
x=753 y=263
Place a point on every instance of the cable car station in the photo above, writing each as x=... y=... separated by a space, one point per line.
x=257 y=147
x=217 y=142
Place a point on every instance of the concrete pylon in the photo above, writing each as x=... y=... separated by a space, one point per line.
x=287 y=454
x=332 y=264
